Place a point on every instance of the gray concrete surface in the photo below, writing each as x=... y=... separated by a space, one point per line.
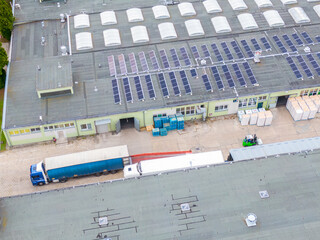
x=222 y=133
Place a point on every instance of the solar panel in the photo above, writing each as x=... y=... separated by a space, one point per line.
x=174 y=83
x=228 y=76
x=294 y=68
x=193 y=72
x=122 y=64
x=207 y=83
x=185 y=82
x=185 y=56
x=163 y=85
x=127 y=89
x=249 y=72
x=139 y=89
x=266 y=43
x=289 y=42
x=297 y=39
x=133 y=63
x=237 y=49
x=164 y=58
x=205 y=51
x=239 y=75
x=255 y=44
x=306 y=37
x=217 y=77
x=150 y=87
x=279 y=44
x=112 y=66
x=175 y=58
x=226 y=50
x=154 y=60
x=305 y=67
x=115 y=90
x=216 y=52
x=317 y=38
x=314 y=63
x=247 y=48
x=195 y=52
x=318 y=54
x=143 y=61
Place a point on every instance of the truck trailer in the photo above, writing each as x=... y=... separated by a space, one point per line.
x=60 y=168
x=182 y=162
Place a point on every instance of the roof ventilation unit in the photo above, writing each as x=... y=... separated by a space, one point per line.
x=81 y=21
x=299 y=15
x=108 y=18
x=263 y=3
x=111 y=37
x=273 y=18
x=62 y=18
x=264 y=194
x=238 y=5
x=251 y=220
x=186 y=9
x=317 y=9
x=139 y=34
x=194 y=27
x=221 y=24
x=212 y=6
x=84 y=41
x=134 y=15
x=64 y=51
x=167 y=31
x=247 y=21
x=287 y=2
x=160 y=12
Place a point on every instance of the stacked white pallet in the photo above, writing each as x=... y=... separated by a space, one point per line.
x=245 y=118
x=312 y=107
x=294 y=109
x=240 y=114
x=249 y=112
x=269 y=118
x=261 y=109
x=305 y=109
x=316 y=101
x=253 y=118
x=261 y=119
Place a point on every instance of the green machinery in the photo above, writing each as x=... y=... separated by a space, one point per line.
x=251 y=140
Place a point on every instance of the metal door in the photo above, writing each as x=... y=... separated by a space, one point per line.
x=118 y=127
x=137 y=124
x=260 y=104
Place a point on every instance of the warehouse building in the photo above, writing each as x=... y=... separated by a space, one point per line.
x=79 y=68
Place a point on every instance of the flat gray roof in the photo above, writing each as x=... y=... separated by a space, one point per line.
x=220 y=197
x=93 y=95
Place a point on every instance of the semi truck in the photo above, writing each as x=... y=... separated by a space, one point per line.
x=182 y=162
x=63 y=167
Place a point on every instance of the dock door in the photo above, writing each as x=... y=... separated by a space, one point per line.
x=126 y=123
x=102 y=125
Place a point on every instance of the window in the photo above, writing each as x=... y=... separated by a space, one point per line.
x=180 y=111
x=313 y=92
x=243 y=103
x=262 y=98
x=192 y=110
x=27 y=130
x=221 y=108
x=85 y=127
x=252 y=101
x=35 y=130
x=22 y=131
x=188 y=110
x=304 y=93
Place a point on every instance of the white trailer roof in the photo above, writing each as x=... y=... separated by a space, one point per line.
x=317 y=9
x=238 y=5
x=167 y=31
x=81 y=21
x=191 y=160
x=134 y=15
x=273 y=18
x=194 y=27
x=108 y=18
x=287 y=2
x=212 y=6
x=160 y=12
x=186 y=9
x=263 y=3
x=86 y=157
x=247 y=21
x=221 y=24
x=111 y=37
x=299 y=15
x=84 y=41
x=139 y=34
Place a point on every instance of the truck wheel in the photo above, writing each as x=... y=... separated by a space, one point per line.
x=40 y=184
x=63 y=180
x=113 y=171
x=98 y=174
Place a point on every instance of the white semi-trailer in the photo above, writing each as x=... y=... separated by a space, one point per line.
x=161 y=165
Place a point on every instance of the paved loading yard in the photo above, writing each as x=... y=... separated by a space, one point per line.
x=214 y=134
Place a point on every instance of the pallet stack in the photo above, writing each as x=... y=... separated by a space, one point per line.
x=303 y=108
x=167 y=123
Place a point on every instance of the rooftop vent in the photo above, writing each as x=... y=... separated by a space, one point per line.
x=251 y=220
x=185 y=207
x=62 y=18
x=264 y=194
x=103 y=221
x=64 y=51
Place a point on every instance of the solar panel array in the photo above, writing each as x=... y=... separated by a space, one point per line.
x=239 y=75
x=217 y=77
x=185 y=82
x=205 y=51
x=250 y=74
x=195 y=52
x=139 y=89
x=164 y=59
x=307 y=37
x=314 y=63
x=279 y=44
x=154 y=60
x=112 y=66
x=206 y=82
x=115 y=90
x=175 y=58
x=133 y=63
x=185 y=56
x=255 y=44
x=150 y=87
x=297 y=39
x=122 y=64
x=236 y=48
x=174 y=83
x=163 y=85
x=247 y=48
x=305 y=67
x=317 y=38
x=193 y=72
x=227 y=50
x=266 y=43
x=228 y=76
x=294 y=68
x=127 y=89
x=289 y=42
x=143 y=61
x=216 y=52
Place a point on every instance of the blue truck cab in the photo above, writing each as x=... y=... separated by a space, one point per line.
x=37 y=174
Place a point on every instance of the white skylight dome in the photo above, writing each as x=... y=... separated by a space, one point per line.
x=194 y=27
x=139 y=34
x=263 y=3
x=299 y=15
x=167 y=31
x=134 y=15
x=108 y=18
x=111 y=37
x=238 y=5
x=160 y=12
x=186 y=9
x=273 y=18
x=287 y=2
x=84 y=41
x=317 y=9
x=81 y=21
x=247 y=21
x=212 y=6
x=221 y=24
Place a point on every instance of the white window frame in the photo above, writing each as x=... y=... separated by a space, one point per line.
x=243 y=103
x=85 y=127
x=304 y=93
x=221 y=108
